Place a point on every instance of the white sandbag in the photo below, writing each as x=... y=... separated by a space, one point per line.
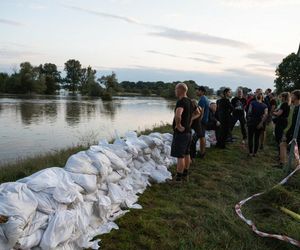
x=33 y=240
x=81 y=201
x=47 y=204
x=161 y=174
x=38 y=222
x=87 y=181
x=115 y=193
x=132 y=139
x=18 y=203
x=156 y=156
x=59 y=184
x=167 y=137
x=156 y=135
x=104 y=207
x=81 y=163
x=60 y=229
x=148 y=140
x=116 y=162
x=106 y=228
x=114 y=177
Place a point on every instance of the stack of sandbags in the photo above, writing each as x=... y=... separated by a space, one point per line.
x=65 y=208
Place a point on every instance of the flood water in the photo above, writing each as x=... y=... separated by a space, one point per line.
x=41 y=124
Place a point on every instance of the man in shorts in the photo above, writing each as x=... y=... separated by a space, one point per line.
x=204 y=104
x=182 y=132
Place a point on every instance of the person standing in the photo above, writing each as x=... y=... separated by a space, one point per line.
x=213 y=122
x=182 y=131
x=204 y=104
x=267 y=98
x=224 y=111
x=239 y=103
x=281 y=116
x=196 y=126
x=256 y=117
x=295 y=98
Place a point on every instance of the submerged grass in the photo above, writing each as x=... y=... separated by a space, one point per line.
x=199 y=214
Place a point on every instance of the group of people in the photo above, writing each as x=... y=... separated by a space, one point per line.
x=254 y=112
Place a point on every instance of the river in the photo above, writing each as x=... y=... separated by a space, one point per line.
x=41 y=124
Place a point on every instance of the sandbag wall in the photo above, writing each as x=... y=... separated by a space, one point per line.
x=65 y=208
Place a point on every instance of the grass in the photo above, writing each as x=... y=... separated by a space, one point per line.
x=200 y=214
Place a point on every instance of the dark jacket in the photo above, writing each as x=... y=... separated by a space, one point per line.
x=224 y=111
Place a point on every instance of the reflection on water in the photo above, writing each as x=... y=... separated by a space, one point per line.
x=31 y=125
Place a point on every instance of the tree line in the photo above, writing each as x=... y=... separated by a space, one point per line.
x=46 y=79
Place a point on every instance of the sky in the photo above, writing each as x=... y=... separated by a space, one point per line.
x=214 y=42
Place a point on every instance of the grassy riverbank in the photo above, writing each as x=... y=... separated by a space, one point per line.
x=198 y=214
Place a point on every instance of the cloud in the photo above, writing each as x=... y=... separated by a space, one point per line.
x=271 y=59
x=103 y=14
x=162 y=53
x=10 y=22
x=184 y=35
x=167 y=32
x=198 y=59
x=259 y=3
x=12 y=53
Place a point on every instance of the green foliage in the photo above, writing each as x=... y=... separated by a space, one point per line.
x=220 y=91
x=245 y=90
x=3 y=79
x=88 y=84
x=288 y=74
x=111 y=83
x=159 y=88
x=52 y=77
x=73 y=74
x=46 y=79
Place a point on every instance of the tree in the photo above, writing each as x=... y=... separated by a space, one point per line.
x=110 y=82
x=209 y=91
x=52 y=77
x=246 y=90
x=88 y=84
x=288 y=74
x=220 y=91
x=73 y=74
x=13 y=84
x=88 y=75
x=27 y=77
x=3 y=79
x=192 y=85
x=30 y=80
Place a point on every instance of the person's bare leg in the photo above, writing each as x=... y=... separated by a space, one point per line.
x=262 y=139
x=202 y=145
x=180 y=169
x=187 y=161
x=180 y=165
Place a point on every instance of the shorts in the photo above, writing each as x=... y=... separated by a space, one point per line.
x=181 y=144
